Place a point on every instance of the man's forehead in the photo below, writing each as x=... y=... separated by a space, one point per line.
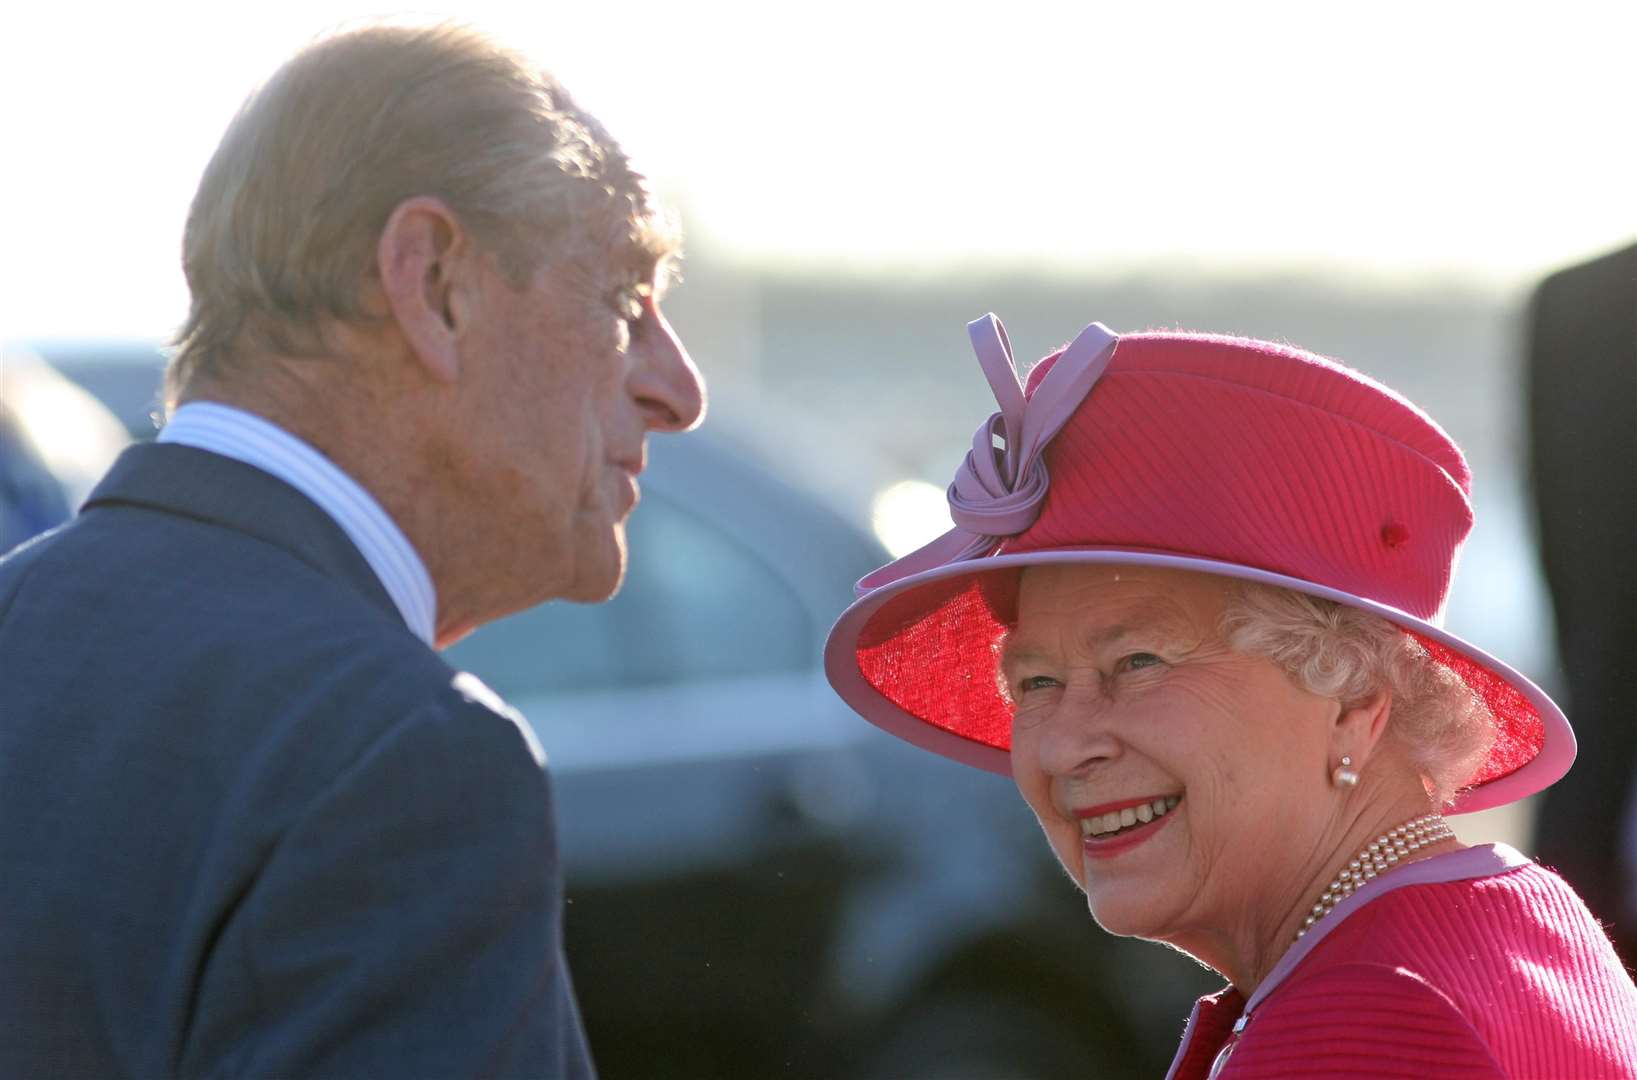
x=624 y=242
x=652 y=234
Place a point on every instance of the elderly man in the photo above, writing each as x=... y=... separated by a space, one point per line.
x=250 y=823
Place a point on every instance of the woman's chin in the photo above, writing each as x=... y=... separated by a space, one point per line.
x=1126 y=912
x=1122 y=927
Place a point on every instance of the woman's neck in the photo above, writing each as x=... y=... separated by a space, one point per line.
x=1247 y=953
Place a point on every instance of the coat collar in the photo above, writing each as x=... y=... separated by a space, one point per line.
x=208 y=487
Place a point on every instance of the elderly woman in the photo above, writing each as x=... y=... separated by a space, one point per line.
x=1191 y=604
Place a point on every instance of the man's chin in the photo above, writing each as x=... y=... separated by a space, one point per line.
x=601 y=581
x=453 y=635
x=597 y=593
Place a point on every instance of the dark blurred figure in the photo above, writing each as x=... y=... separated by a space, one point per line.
x=1582 y=384
x=31 y=500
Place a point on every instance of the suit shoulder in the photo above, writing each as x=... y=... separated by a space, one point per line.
x=476 y=694
x=268 y=651
x=21 y=561
x=370 y=680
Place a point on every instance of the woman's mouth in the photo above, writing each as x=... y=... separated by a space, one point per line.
x=1115 y=828
x=1111 y=823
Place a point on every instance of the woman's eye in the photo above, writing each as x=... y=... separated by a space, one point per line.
x=1035 y=682
x=1139 y=660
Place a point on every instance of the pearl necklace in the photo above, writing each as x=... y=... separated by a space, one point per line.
x=1379 y=856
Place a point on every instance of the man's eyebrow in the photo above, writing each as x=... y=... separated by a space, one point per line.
x=648 y=273
x=653 y=254
x=666 y=274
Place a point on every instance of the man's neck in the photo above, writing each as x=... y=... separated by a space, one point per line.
x=391 y=437
x=362 y=435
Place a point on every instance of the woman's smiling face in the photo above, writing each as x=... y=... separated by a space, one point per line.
x=1182 y=784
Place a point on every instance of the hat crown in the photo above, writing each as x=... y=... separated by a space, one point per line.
x=1288 y=372
x=1259 y=454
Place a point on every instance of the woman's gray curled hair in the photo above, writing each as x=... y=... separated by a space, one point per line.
x=1334 y=650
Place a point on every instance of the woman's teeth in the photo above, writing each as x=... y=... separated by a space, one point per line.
x=1115 y=820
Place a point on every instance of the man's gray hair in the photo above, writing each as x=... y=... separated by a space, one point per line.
x=1343 y=652
x=284 y=228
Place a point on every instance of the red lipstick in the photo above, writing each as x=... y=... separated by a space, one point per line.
x=1108 y=845
x=1112 y=807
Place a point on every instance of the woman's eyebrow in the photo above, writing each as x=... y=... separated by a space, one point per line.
x=1145 y=622
x=1015 y=655
x=1012 y=654
x=1161 y=617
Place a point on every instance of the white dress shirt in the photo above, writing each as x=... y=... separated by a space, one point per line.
x=243 y=436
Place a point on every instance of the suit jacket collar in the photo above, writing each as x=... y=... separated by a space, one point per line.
x=208 y=487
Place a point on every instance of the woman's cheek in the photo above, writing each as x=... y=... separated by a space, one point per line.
x=1032 y=707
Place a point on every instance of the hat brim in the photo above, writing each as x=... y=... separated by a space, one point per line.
x=1549 y=762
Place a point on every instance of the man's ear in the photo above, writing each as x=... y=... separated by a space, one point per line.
x=420 y=254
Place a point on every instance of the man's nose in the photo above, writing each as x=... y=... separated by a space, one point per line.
x=667 y=386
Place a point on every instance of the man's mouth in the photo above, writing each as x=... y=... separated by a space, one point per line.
x=630 y=491
x=1112 y=822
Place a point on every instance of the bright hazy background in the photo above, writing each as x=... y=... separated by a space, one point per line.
x=1486 y=141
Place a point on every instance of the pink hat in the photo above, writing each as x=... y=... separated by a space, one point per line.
x=1214 y=454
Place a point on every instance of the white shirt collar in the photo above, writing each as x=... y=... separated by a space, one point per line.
x=243 y=436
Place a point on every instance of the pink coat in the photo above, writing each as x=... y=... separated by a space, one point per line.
x=1478 y=963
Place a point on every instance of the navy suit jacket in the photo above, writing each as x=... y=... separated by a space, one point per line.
x=1582 y=371
x=249 y=824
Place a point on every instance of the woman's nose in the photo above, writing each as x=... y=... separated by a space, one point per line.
x=1077 y=734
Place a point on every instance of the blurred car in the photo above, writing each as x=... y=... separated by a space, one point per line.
x=55 y=441
x=758 y=882
x=31 y=498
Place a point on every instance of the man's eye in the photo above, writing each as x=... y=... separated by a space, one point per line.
x=631 y=302
x=629 y=305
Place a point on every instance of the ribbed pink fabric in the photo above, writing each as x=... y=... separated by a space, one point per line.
x=1502 y=976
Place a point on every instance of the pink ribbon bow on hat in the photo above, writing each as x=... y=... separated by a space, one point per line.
x=998 y=490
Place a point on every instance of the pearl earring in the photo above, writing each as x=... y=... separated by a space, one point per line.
x=1345 y=776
